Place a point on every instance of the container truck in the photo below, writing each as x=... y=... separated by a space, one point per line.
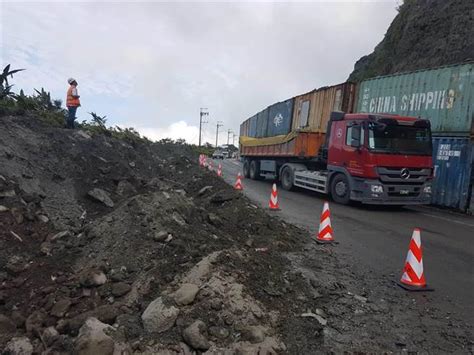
x=371 y=158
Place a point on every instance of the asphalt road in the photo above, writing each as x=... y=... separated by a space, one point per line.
x=375 y=239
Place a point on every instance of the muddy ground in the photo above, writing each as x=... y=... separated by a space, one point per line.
x=107 y=246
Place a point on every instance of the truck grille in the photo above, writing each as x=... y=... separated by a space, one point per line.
x=403 y=175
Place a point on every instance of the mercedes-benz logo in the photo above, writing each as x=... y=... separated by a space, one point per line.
x=405 y=173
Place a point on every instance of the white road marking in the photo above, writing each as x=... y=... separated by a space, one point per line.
x=448 y=219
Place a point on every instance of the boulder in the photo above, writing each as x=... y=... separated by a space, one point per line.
x=160 y=236
x=254 y=334
x=93 y=338
x=19 y=346
x=101 y=196
x=120 y=289
x=92 y=278
x=50 y=335
x=196 y=337
x=61 y=307
x=186 y=294
x=158 y=317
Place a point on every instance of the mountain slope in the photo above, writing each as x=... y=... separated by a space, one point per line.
x=425 y=33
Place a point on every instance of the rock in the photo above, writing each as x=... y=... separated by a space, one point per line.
x=101 y=196
x=92 y=278
x=93 y=339
x=16 y=264
x=195 y=336
x=42 y=218
x=7 y=193
x=178 y=219
x=132 y=164
x=46 y=248
x=50 y=335
x=19 y=346
x=4 y=209
x=82 y=134
x=186 y=294
x=18 y=319
x=120 y=289
x=59 y=235
x=219 y=332
x=213 y=219
x=320 y=319
x=125 y=188
x=34 y=322
x=204 y=190
x=158 y=317
x=360 y=298
x=7 y=326
x=61 y=307
x=160 y=236
x=254 y=334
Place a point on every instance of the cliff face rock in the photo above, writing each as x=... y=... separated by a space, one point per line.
x=424 y=34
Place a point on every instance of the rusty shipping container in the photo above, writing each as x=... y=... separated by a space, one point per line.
x=312 y=110
x=443 y=95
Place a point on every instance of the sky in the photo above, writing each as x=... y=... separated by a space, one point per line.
x=152 y=65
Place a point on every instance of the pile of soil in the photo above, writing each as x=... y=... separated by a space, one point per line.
x=107 y=246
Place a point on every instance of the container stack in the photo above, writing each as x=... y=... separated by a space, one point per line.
x=445 y=96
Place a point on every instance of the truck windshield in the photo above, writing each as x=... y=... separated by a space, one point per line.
x=399 y=139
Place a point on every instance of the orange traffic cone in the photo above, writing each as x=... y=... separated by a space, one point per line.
x=325 y=233
x=413 y=278
x=219 y=170
x=238 y=183
x=201 y=159
x=273 y=204
x=210 y=165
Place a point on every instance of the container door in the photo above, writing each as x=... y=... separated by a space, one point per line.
x=452 y=161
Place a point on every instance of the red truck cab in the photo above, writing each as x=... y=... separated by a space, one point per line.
x=384 y=159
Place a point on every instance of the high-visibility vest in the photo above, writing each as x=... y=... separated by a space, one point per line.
x=72 y=101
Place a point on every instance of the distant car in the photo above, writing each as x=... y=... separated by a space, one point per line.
x=218 y=154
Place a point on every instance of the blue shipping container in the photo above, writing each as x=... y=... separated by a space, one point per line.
x=279 y=120
x=453 y=163
x=253 y=126
x=262 y=123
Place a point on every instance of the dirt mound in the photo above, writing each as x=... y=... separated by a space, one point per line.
x=110 y=247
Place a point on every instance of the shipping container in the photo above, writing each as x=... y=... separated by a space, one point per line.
x=262 y=123
x=280 y=116
x=453 y=174
x=443 y=95
x=312 y=110
x=252 y=130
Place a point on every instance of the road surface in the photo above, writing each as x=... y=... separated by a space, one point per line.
x=375 y=239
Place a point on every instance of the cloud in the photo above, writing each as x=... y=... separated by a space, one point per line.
x=177 y=130
x=153 y=65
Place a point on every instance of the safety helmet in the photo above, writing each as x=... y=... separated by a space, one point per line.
x=71 y=80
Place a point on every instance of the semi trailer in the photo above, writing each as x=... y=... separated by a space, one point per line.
x=371 y=158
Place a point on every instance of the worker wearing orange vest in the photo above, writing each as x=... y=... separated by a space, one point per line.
x=72 y=102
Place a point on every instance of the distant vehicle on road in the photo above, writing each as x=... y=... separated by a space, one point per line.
x=219 y=154
x=371 y=158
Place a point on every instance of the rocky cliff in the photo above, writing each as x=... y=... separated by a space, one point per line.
x=424 y=34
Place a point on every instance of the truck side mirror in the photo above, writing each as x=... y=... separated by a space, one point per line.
x=355 y=136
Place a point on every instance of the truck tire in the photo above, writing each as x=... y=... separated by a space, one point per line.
x=287 y=178
x=254 y=171
x=340 y=189
x=246 y=169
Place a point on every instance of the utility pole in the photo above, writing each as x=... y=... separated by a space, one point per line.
x=203 y=112
x=233 y=139
x=229 y=132
x=219 y=124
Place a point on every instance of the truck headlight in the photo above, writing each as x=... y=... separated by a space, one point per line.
x=376 y=189
x=427 y=189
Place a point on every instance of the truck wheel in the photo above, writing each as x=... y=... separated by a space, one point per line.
x=246 y=169
x=340 y=189
x=286 y=178
x=254 y=172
